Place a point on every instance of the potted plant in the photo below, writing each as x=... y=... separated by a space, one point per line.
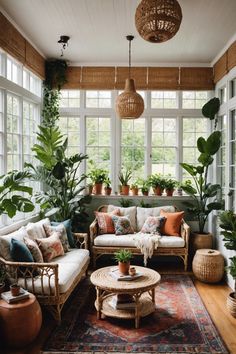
x=123 y=258
x=144 y=185
x=124 y=178
x=203 y=193
x=158 y=183
x=98 y=176
x=170 y=185
x=181 y=185
x=2 y=278
x=134 y=188
x=107 y=188
x=228 y=225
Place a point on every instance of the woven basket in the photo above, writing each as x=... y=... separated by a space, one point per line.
x=208 y=265
x=200 y=241
x=231 y=304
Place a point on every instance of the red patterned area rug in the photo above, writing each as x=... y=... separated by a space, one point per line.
x=180 y=324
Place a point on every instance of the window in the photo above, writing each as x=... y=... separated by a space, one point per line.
x=31 y=82
x=164 y=99
x=98 y=99
x=98 y=141
x=70 y=98
x=233 y=88
x=194 y=99
x=223 y=95
x=70 y=126
x=13 y=132
x=221 y=154
x=30 y=122
x=1 y=132
x=164 y=149
x=133 y=149
x=193 y=128
x=13 y=70
x=232 y=160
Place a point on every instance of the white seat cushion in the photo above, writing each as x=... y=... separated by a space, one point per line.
x=69 y=267
x=144 y=213
x=109 y=240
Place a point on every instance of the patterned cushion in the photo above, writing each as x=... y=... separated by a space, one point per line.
x=61 y=230
x=105 y=222
x=144 y=213
x=130 y=212
x=20 y=252
x=50 y=247
x=171 y=226
x=34 y=249
x=122 y=225
x=67 y=224
x=153 y=225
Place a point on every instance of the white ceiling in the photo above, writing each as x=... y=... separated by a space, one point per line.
x=98 y=28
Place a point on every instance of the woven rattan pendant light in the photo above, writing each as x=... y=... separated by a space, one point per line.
x=129 y=104
x=158 y=20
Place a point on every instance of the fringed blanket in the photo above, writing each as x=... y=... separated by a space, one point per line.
x=147 y=243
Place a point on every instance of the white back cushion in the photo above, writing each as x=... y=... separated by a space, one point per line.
x=143 y=213
x=36 y=229
x=130 y=212
x=5 y=242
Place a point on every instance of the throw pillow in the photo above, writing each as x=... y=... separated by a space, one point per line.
x=36 y=230
x=171 y=226
x=50 y=247
x=61 y=230
x=122 y=225
x=67 y=224
x=130 y=212
x=5 y=242
x=20 y=252
x=105 y=222
x=153 y=225
x=34 y=250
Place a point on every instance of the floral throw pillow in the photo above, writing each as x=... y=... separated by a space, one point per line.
x=34 y=249
x=122 y=225
x=105 y=222
x=61 y=230
x=153 y=225
x=50 y=247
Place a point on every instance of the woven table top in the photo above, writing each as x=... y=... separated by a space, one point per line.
x=208 y=252
x=102 y=279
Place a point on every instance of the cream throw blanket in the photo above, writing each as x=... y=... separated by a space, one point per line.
x=147 y=243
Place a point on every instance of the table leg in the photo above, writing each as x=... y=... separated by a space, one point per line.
x=137 y=309
x=99 y=302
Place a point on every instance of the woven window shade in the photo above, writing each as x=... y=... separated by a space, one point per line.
x=220 y=68
x=11 y=40
x=73 y=77
x=231 y=60
x=196 y=79
x=139 y=74
x=98 y=78
x=34 y=61
x=163 y=78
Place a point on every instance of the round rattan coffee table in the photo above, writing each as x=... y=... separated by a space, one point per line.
x=142 y=289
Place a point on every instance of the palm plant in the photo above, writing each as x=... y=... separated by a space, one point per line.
x=124 y=177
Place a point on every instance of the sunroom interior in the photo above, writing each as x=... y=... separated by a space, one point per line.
x=174 y=78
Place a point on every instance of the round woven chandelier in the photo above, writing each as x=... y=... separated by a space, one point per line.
x=158 y=20
x=129 y=104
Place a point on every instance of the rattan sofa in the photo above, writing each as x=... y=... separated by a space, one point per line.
x=110 y=243
x=52 y=283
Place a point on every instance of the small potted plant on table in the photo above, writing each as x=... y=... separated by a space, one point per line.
x=123 y=258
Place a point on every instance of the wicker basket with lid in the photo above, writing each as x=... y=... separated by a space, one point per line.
x=208 y=265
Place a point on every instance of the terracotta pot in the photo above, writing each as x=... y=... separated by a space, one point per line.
x=97 y=188
x=134 y=191
x=124 y=267
x=157 y=190
x=169 y=192
x=15 y=289
x=231 y=304
x=125 y=190
x=107 y=191
x=2 y=287
x=145 y=193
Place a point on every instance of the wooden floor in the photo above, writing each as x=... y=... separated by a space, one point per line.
x=213 y=296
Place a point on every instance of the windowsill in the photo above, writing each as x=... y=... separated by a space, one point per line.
x=151 y=196
x=17 y=225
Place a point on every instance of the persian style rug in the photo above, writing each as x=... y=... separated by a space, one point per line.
x=180 y=324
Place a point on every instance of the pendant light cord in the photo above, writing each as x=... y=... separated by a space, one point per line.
x=130 y=38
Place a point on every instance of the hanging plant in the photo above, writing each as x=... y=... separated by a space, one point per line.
x=55 y=71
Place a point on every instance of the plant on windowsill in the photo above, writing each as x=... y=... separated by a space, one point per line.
x=157 y=183
x=107 y=188
x=144 y=185
x=124 y=178
x=123 y=258
x=170 y=185
x=98 y=176
x=228 y=225
x=134 y=188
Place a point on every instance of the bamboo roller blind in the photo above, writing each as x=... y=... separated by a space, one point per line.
x=146 y=78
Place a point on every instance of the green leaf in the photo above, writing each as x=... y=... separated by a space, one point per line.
x=59 y=171
x=210 y=109
x=213 y=143
x=201 y=144
x=189 y=190
x=214 y=206
x=205 y=159
x=189 y=168
x=9 y=207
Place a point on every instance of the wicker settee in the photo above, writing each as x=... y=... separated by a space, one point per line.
x=110 y=243
x=52 y=283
